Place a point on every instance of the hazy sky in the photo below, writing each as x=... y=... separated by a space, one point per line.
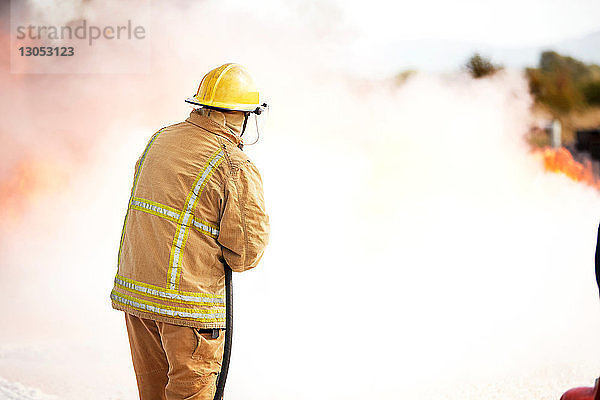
x=385 y=36
x=505 y=23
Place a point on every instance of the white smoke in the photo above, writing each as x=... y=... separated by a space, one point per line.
x=16 y=391
x=417 y=248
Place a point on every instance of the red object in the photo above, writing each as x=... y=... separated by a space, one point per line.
x=582 y=393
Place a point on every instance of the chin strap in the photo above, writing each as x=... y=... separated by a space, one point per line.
x=246 y=115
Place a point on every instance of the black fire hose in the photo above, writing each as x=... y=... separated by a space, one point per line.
x=228 y=334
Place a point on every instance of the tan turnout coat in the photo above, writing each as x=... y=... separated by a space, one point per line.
x=196 y=204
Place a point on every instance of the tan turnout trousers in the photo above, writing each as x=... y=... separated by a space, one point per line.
x=173 y=361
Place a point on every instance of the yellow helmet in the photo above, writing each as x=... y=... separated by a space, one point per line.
x=228 y=87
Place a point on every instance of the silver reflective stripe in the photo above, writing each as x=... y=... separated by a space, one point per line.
x=205 y=228
x=155 y=208
x=182 y=229
x=166 y=295
x=171 y=213
x=156 y=309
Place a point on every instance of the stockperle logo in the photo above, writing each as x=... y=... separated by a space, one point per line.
x=80 y=37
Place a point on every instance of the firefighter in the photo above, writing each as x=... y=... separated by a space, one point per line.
x=196 y=207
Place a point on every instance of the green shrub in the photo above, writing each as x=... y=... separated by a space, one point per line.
x=479 y=66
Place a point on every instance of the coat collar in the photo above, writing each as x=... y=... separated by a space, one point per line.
x=213 y=127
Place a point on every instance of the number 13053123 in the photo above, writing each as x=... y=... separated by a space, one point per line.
x=46 y=51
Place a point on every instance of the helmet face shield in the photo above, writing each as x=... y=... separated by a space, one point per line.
x=258 y=124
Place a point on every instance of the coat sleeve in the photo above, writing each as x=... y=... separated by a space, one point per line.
x=244 y=226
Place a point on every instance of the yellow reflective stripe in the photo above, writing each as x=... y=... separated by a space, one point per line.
x=186 y=218
x=213 y=227
x=197 y=192
x=135 y=181
x=152 y=207
x=149 y=286
x=215 y=315
x=166 y=294
x=205 y=227
x=172 y=214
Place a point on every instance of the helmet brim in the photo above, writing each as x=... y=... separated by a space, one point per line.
x=222 y=106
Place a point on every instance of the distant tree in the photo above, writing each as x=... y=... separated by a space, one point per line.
x=479 y=66
x=591 y=91
x=594 y=72
x=552 y=62
x=555 y=89
x=403 y=76
x=564 y=83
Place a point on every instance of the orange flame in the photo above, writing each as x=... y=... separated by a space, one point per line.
x=28 y=181
x=561 y=161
